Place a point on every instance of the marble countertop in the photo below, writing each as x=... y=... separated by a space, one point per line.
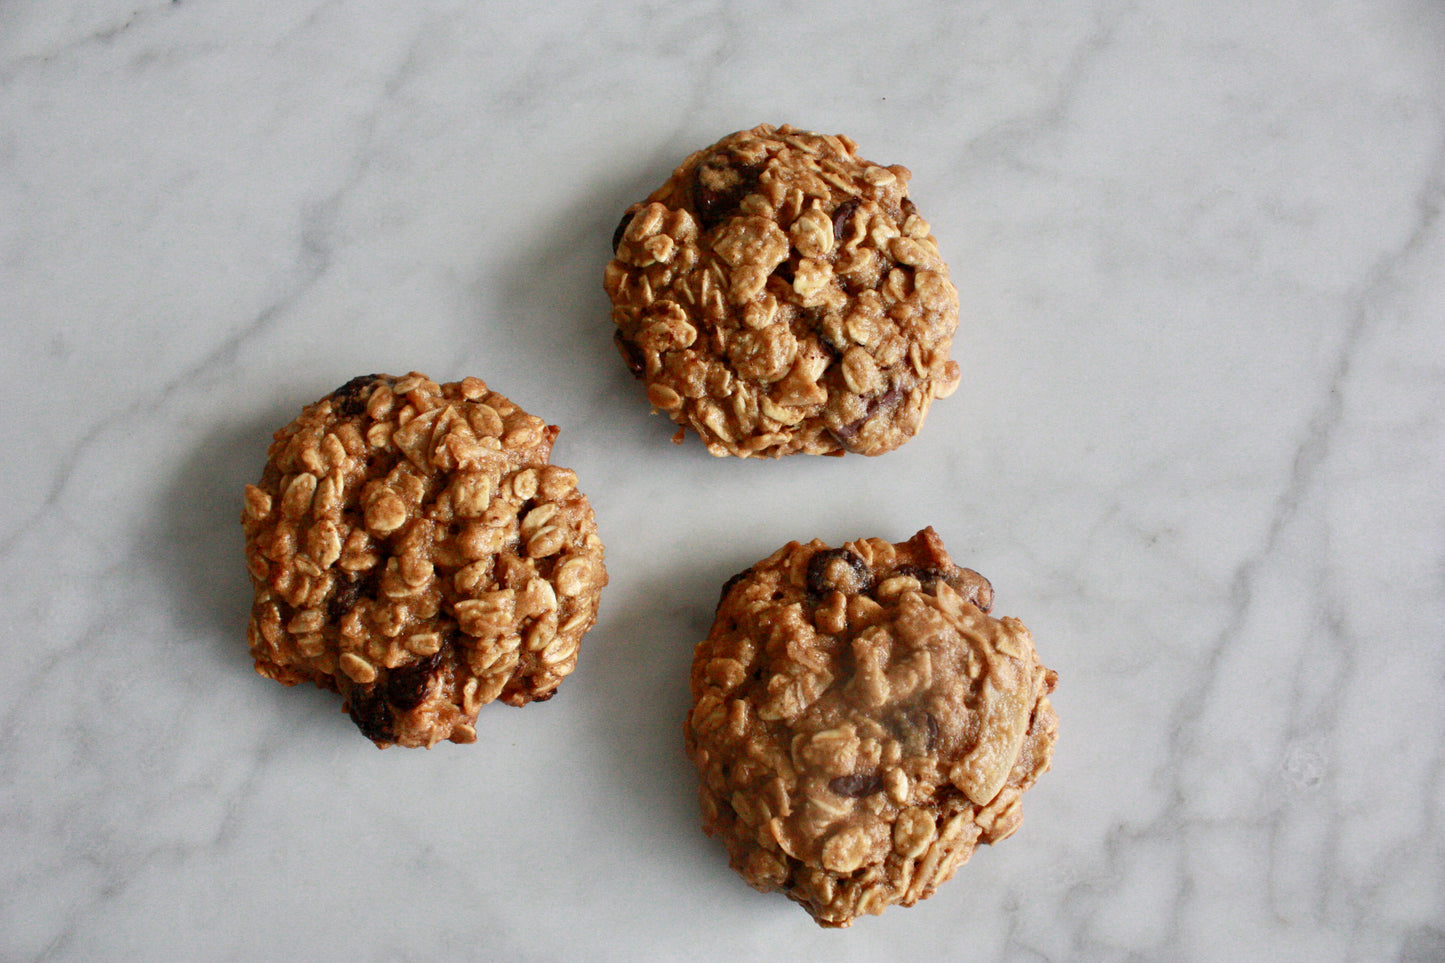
x=1198 y=449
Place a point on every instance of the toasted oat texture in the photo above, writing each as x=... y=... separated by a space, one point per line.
x=779 y=294
x=860 y=723
x=412 y=549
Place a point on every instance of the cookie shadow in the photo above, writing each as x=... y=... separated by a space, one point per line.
x=555 y=316
x=202 y=545
x=202 y=553
x=639 y=675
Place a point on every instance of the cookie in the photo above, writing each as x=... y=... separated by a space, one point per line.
x=860 y=723
x=412 y=549
x=781 y=295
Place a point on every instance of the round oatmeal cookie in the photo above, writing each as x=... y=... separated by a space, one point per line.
x=781 y=295
x=860 y=723
x=412 y=549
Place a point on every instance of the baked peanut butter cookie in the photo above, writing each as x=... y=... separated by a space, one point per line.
x=412 y=549
x=781 y=295
x=860 y=723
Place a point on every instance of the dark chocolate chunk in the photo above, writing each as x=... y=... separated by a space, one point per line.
x=351 y=590
x=407 y=685
x=837 y=570
x=842 y=216
x=732 y=581
x=342 y=599
x=827 y=328
x=876 y=406
x=372 y=715
x=785 y=272
x=631 y=354
x=621 y=229
x=719 y=186
x=350 y=399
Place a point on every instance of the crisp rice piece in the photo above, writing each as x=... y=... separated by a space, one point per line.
x=860 y=723
x=411 y=547
x=781 y=295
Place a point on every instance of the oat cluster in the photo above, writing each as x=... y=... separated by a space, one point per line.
x=411 y=548
x=860 y=723
x=781 y=295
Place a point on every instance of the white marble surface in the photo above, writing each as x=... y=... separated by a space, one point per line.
x=1198 y=449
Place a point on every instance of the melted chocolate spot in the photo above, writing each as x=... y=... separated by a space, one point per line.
x=856 y=786
x=915 y=729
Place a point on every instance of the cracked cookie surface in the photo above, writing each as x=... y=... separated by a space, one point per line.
x=411 y=548
x=860 y=723
x=781 y=295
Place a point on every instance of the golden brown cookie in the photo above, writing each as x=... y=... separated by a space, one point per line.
x=860 y=723
x=411 y=548
x=779 y=294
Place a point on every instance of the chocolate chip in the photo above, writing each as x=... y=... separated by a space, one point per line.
x=856 y=786
x=842 y=216
x=350 y=399
x=734 y=580
x=846 y=433
x=371 y=714
x=976 y=589
x=621 y=229
x=631 y=354
x=876 y=406
x=837 y=570
x=927 y=577
x=406 y=686
x=349 y=591
x=341 y=600
x=888 y=400
x=828 y=330
x=966 y=582
x=727 y=184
